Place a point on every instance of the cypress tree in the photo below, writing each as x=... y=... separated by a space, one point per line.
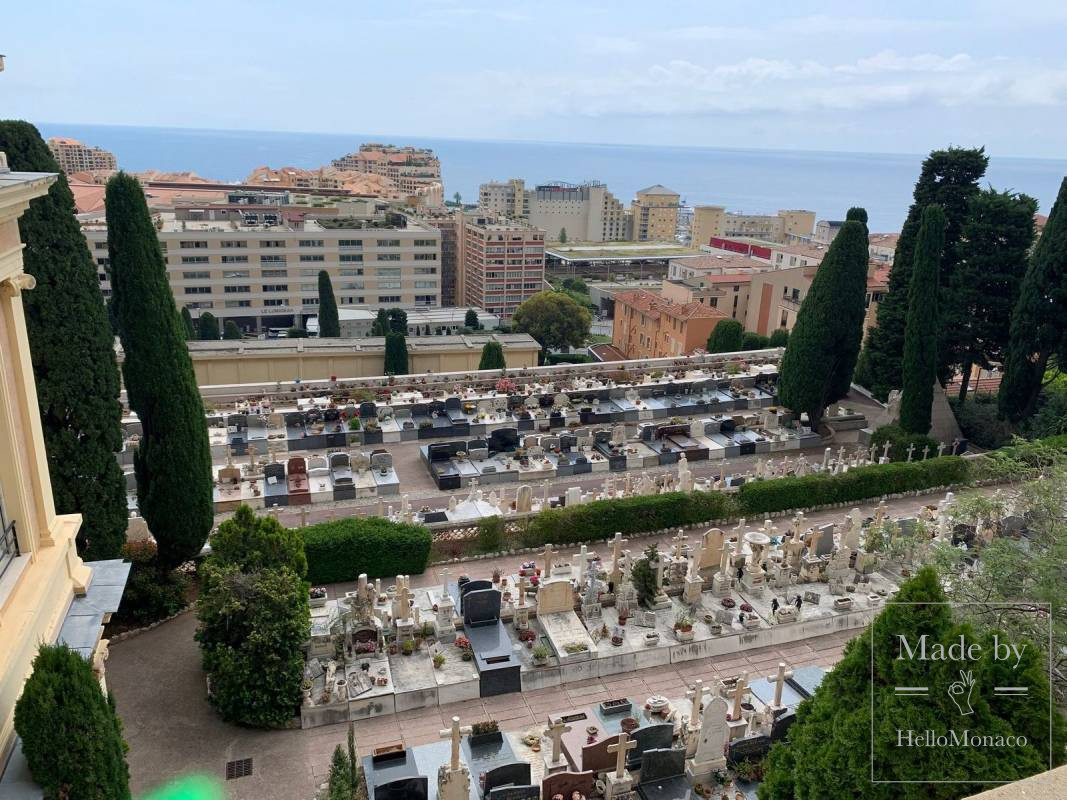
x=173 y=461
x=820 y=357
x=230 y=330
x=380 y=326
x=190 y=327
x=779 y=338
x=207 y=327
x=492 y=356
x=398 y=320
x=995 y=244
x=470 y=319
x=72 y=348
x=71 y=736
x=329 y=324
x=948 y=178
x=728 y=336
x=396 y=354
x=857 y=213
x=1038 y=331
x=920 y=335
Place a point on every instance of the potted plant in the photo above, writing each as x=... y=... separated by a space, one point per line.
x=305 y=687
x=466 y=650
x=407 y=648
x=438 y=660
x=683 y=627
x=486 y=732
x=540 y=655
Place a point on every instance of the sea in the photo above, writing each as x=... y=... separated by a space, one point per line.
x=750 y=181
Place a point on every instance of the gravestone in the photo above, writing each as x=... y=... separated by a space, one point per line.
x=554 y=597
x=566 y=783
x=812 y=598
x=748 y=748
x=824 y=540
x=416 y=788
x=523 y=792
x=481 y=606
x=661 y=763
x=781 y=724
x=516 y=774
x=595 y=757
x=380 y=460
x=650 y=737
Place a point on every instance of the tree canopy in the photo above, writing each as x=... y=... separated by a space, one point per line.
x=208 y=327
x=554 y=319
x=250 y=543
x=396 y=354
x=329 y=324
x=728 y=336
x=470 y=319
x=230 y=331
x=72 y=349
x=187 y=321
x=821 y=353
x=492 y=356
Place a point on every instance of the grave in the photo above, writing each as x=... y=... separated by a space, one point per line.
x=498 y=668
x=663 y=776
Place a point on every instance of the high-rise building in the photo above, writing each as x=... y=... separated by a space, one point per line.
x=73 y=156
x=412 y=169
x=654 y=213
x=47 y=593
x=503 y=263
x=716 y=221
x=448 y=224
x=582 y=212
x=506 y=198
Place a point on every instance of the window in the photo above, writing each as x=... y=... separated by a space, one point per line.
x=425 y=300
x=351 y=271
x=309 y=273
x=310 y=301
x=388 y=256
x=276 y=287
x=103 y=262
x=103 y=277
x=388 y=272
x=194 y=259
x=309 y=287
x=352 y=301
x=426 y=256
x=425 y=284
x=237 y=289
x=311 y=242
x=238 y=304
x=350 y=243
x=353 y=285
x=351 y=258
x=425 y=242
x=272 y=243
x=425 y=270
x=388 y=284
x=388 y=298
x=198 y=290
x=100 y=245
x=388 y=243
x=232 y=243
x=235 y=273
x=273 y=303
x=200 y=304
x=275 y=273
x=196 y=276
x=272 y=259
x=235 y=259
x=312 y=258
x=192 y=245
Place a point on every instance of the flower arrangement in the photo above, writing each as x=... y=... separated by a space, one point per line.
x=746 y=607
x=506 y=386
x=438 y=660
x=728 y=602
x=466 y=649
x=317 y=592
x=683 y=622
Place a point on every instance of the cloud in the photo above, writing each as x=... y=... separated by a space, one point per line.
x=891 y=61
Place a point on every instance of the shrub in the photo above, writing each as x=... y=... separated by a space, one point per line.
x=490 y=534
x=778 y=338
x=602 y=518
x=1050 y=419
x=644 y=577
x=251 y=543
x=341 y=550
x=568 y=358
x=862 y=483
x=754 y=341
x=899 y=439
x=152 y=593
x=71 y=735
x=978 y=420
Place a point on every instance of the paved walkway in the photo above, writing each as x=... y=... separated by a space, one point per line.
x=171 y=729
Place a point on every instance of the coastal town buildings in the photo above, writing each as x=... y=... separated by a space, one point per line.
x=584 y=212
x=716 y=221
x=654 y=214
x=73 y=156
x=413 y=170
x=648 y=325
x=502 y=263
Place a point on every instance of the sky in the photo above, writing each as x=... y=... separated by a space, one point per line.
x=853 y=76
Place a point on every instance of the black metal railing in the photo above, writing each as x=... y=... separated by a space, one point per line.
x=9 y=544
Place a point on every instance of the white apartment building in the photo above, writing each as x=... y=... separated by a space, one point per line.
x=586 y=212
x=262 y=271
x=73 y=156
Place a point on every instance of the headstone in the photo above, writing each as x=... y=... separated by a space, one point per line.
x=710 y=750
x=661 y=763
x=481 y=606
x=748 y=748
x=566 y=783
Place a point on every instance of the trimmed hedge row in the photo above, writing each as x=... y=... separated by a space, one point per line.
x=602 y=518
x=862 y=483
x=341 y=550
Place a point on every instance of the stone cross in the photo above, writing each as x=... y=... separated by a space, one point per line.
x=840 y=454
x=740 y=690
x=885 y=450
x=455 y=733
x=679 y=541
x=911 y=449
x=251 y=456
x=522 y=590
x=722 y=472
x=616 y=547
x=548 y=561
x=624 y=745
x=696 y=697
x=940 y=449
x=926 y=451
x=825 y=458
x=555 y=732
x=403 y=596
x=583 y=562
x=695 y=558
x=724 y=556
x=780 y=680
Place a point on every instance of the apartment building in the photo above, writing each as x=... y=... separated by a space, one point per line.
x=775 y=254
x=720 y=281
x=258 y=265
x=583 y=212
x=654 y=214
x=448 y=224
x=73 y=156
x=412 y=169
x=827 y=229
x=503 y=263
x=47 y=593
x=716 y=221
x=883 y=247
x=650 y=326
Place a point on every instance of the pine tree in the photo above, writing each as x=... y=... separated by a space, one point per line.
x=820 y=357
x=339 y=782
x=230 y=330
x=470 y=319
x=329 y=324
x=396 y=354
x=728 y=336
x=562 y=235
x=948 y=178
x=207 y=327
x=492 y=356
x=1038 y=332
x=921 y=332
x=190 y=327
x=88 y=759
x=995 y=243
x=72 y=348
x=173 y=461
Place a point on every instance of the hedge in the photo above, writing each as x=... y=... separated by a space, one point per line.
x=343 y=549
x=862 y=483
x=602 y=518
x=899 y=441
x=568 y=358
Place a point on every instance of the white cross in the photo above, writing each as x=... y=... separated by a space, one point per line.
x=696 y=696
x=455 y=733
x=911 y=449
x=624 y=744
x=740 y=690
x=548 y=561
x=780 y=679
x=555 y=731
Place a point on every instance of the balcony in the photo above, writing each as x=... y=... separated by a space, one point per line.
x=791 y=303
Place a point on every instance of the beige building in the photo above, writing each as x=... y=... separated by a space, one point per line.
x=46 y=591
x=266 y=361
x=502 y=263
x=414 y=170
x=448 y=224
x=883 y=247
x=587 y=212
x=654 y=214
x=827 y=229
x=258 y=264
x=716 y=221
x=73 y=156
x=648 y=325
x=720 y=281
x=775 y=254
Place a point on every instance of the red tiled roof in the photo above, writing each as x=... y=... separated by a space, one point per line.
x=648 y=302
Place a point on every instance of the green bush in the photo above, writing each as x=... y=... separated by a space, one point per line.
x=1050 y=419
x=602 y=518
x=979 y=422
x=490 y=534
x=252 y=543
x=151 y=593
x=341 y=550
x=862 y=483
x=568 y=358
x=899 y=440
x=754 y=341
x=71 y=735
